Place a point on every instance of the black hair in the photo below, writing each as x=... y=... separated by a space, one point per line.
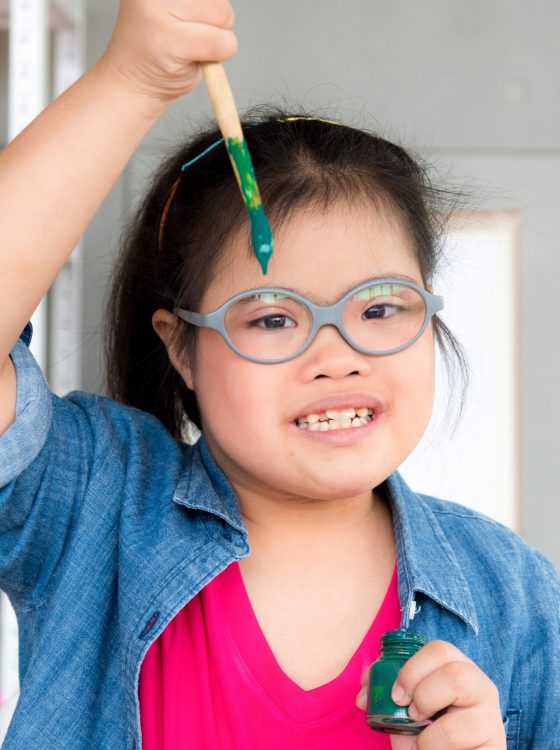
x=299 y=164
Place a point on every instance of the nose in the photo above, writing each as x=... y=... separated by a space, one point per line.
x=329 y=355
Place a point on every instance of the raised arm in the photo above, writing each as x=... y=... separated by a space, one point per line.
x=56 y=173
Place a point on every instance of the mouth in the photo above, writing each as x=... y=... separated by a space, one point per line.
x=348 y=418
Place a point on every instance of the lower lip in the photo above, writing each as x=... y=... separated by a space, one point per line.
x=347 y=436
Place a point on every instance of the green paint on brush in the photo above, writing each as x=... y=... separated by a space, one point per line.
x=261 y=233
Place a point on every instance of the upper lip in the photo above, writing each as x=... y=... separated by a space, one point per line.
x=341 y=401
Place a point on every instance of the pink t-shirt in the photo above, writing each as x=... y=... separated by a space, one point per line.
x=211 y=682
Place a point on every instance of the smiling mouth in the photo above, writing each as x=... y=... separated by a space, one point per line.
x=336 y=419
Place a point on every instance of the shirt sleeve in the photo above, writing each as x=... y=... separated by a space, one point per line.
x=72 y=471
x=24 y=439
x=44 y=460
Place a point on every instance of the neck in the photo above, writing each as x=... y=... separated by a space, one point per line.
x=307 y=518
x=319 y=537
x=278 y=518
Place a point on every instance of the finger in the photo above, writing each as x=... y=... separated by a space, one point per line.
x=458 y=730
x=216 y=13
x=402 y=743
x=361 y=700
x=205 y=43
x=458 y=683
x=432 y=656
x=365 y=677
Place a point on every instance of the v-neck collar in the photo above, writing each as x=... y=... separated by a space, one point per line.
x=301 y=706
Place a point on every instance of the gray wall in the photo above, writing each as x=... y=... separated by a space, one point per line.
x=474 y=87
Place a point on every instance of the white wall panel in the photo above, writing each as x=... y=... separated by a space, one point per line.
x=477 y=464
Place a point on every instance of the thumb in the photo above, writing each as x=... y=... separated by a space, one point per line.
x=402 y=743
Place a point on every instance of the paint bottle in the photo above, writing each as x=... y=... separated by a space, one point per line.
x=382 y=714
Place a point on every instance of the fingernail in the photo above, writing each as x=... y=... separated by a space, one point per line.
x=398 y=694
x=413 y=712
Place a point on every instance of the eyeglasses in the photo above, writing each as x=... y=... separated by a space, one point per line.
x=270 y=325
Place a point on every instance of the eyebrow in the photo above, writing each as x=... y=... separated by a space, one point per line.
x=388 y=275
x=373 y=279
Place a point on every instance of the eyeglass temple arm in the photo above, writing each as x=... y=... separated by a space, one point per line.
x=196 y=319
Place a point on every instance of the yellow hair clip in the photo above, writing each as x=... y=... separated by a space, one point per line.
x=310 y=119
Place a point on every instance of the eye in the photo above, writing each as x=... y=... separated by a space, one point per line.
x=273 y=321
x=381 y=311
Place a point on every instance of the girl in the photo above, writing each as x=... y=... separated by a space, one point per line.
x=232 y=593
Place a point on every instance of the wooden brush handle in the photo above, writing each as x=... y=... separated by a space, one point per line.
x=222 y=100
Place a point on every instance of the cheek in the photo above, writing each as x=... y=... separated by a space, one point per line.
x=231 y=391
x=411 y=386
x=418 y=379
x=414 y=382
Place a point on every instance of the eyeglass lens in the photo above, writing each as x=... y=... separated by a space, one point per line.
x=379 y=318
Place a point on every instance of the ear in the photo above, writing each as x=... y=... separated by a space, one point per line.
x=164 y=324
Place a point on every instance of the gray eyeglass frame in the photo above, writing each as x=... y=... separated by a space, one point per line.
x=321 y=315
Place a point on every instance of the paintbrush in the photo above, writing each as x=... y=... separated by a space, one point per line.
x=223 y=104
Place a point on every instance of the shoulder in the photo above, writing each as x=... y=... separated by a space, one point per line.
x=93 y=411
x=120 y=419
x=115 y=432
x=458 y=518
x=79 y=424
x=482 y=536
x=486 y=548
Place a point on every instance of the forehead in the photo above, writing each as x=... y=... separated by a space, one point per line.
x=320 y=254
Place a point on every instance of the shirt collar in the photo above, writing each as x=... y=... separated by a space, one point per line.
x=427 y=562
x=204 y=486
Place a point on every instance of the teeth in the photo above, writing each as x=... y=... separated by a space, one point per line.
x=336 y=420
x=344 y=416
x=332 y=414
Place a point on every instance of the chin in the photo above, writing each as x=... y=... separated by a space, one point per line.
x=350 y=478
x=327 y=489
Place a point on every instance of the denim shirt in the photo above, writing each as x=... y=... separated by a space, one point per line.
x=109 y=526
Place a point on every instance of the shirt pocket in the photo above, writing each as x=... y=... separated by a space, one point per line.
x=512 y=726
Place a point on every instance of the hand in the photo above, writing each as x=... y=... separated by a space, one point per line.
x=157 y=45
x=437 y=677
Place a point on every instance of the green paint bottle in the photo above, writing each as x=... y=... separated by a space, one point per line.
x=383 y=714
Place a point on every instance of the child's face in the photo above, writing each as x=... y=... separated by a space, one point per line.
x=249 y=410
